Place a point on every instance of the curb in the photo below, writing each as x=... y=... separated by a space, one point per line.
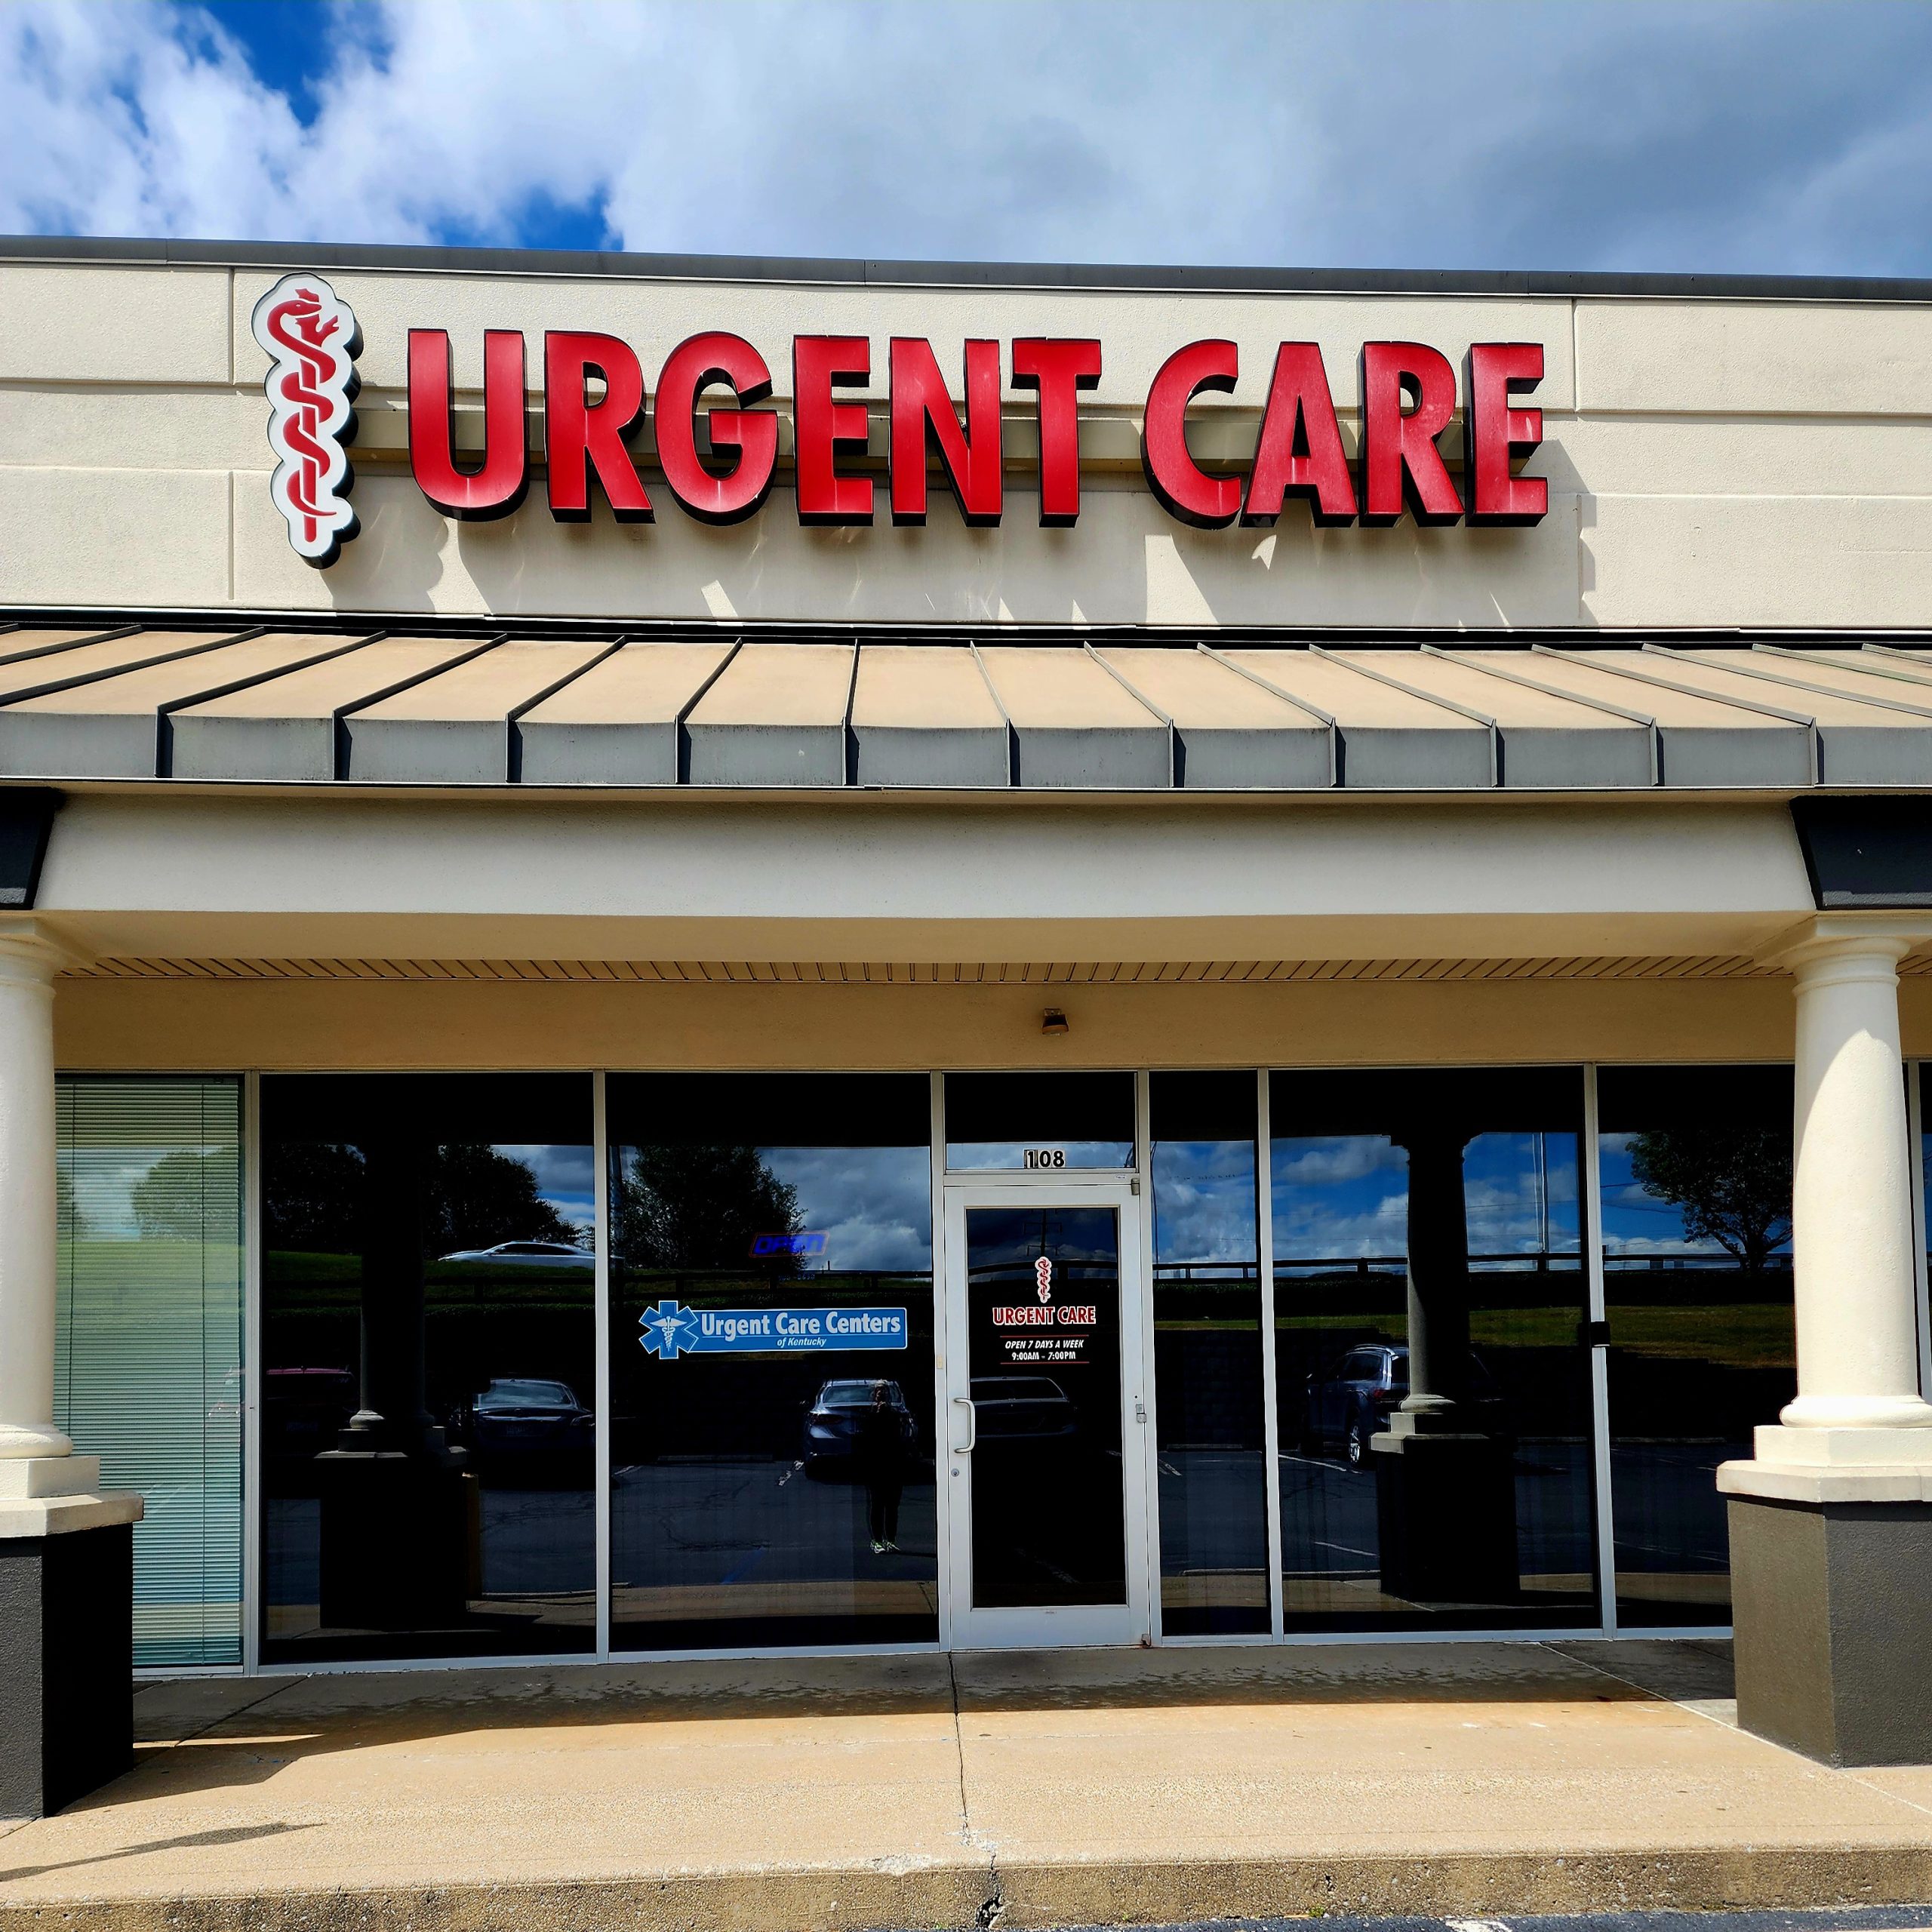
x=1097 y=1894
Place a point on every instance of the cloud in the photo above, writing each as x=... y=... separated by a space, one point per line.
x=1772 y=137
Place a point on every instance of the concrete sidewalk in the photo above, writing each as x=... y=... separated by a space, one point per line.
x=1084 y=1788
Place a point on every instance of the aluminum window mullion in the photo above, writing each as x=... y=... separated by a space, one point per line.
x=943 y=1345
x=1605 y=1498
x=601 y=1450
x=253 y=1496
x=1143 y=1370
x=1271 y=1416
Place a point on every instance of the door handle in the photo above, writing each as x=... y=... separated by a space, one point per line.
x=971 y=1420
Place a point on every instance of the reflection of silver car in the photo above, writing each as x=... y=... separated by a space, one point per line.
x=833 y=1422
x=527 y=1255
x=1027 y=1408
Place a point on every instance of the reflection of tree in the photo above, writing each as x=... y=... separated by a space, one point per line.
x=311 y=1194
x=1732 y=1185
x=187 y=1195
x=73 y=1224
x=700 y=1206
x=477 y=1197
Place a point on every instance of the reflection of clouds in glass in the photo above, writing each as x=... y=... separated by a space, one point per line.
x=874 y=1205
x=1204 y=1200
x=559 y=1170
x=564 y=1178
x=1343 y=1197
x=1327 y=1162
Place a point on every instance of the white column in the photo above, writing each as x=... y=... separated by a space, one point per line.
x=1852 y=1235
x=28 y=963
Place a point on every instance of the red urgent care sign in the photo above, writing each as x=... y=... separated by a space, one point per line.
x=717 y=434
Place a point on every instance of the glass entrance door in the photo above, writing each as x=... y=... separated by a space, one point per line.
x=1046 y=1478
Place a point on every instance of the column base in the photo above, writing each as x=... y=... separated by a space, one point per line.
x=66 y=1662
x=1833 y=1606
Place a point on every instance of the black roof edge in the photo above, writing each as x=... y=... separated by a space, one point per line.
x=94 y=618
x=853 y=272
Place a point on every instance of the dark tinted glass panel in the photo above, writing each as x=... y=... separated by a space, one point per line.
x=1207 y=1331
x=772 y=1362
x=428 y=1327
x=1039 y=1120
x=1696 y=1176
x=1435 y=1400
x=1048 y=1501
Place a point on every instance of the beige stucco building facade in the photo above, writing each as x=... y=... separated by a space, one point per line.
x=1269 y=801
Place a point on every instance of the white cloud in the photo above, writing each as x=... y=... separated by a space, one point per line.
x=1710 y=137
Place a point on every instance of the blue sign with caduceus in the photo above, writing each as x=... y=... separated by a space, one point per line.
x=671 y=1329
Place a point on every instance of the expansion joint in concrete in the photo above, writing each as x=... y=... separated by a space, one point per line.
x=992 y=1908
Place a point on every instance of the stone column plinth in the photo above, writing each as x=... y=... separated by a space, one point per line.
x=1831 y=1519
x=66 y=1553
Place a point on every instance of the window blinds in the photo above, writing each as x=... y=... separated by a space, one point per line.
x=148 y=1372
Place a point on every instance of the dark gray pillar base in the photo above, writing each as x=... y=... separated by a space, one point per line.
x=67 y=1666
x=1832 y=1606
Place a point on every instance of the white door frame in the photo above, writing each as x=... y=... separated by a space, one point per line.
x=1046 y=1626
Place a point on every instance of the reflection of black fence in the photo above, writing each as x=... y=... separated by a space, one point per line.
x=1528 y=1261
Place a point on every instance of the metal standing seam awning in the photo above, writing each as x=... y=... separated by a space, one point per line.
x=730 y=710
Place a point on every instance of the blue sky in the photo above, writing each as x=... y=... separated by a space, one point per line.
x=1767 y=137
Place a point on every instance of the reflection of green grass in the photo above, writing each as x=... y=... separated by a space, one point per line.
x=1740 y=1335
x=296 y=1283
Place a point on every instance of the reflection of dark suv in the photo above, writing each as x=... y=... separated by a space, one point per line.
x=1344 y=1408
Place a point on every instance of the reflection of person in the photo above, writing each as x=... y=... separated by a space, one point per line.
x=879 y=1449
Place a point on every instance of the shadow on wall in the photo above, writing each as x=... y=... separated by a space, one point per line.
x=1126 y=562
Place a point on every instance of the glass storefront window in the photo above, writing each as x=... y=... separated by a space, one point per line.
x=429 y=1343
x=1695 y=1168
x=772 y=1361
x=1208 y=1371
x=1034 y=1122
x=1434 y=1397
x=148 y=1371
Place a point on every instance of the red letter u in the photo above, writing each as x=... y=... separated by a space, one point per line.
x=498 y=488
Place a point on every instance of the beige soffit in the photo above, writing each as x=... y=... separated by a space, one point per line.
x=1007 y=973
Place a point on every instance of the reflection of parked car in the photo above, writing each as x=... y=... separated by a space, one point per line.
x=519 y=1417
x=527 y=1255
x=832 y=1423
x=1028 y=1408
x=1353 y=1401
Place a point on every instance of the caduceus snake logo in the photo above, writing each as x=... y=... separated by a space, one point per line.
x=312 y=340
x=1043 y=1275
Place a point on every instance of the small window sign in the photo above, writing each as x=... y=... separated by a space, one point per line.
x=765 y=1245
x=1046 y=1157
